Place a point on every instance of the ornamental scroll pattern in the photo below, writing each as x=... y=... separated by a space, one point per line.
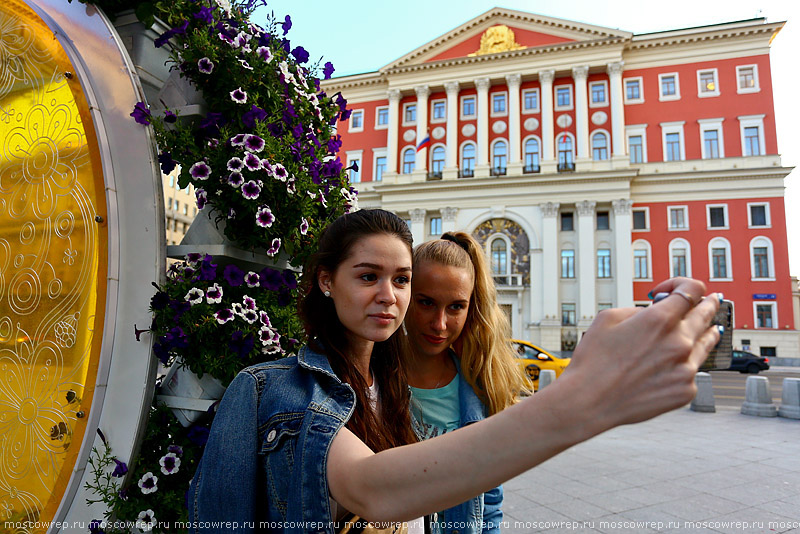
x=519 y=256
x=50 y=258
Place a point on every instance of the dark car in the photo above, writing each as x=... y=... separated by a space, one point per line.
x=746 y=362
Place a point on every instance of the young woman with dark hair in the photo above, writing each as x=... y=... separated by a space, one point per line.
x=294 y=444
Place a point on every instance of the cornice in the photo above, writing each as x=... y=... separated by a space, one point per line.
x=355 y=81
x=680 y=37
x=695 y=176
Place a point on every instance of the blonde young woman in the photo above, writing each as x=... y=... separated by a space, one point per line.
x=461 y=368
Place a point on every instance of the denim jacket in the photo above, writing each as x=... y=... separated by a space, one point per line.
x=483 y=514
x=264 y=466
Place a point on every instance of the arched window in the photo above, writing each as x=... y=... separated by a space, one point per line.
x=566 y=157
x=499 y=158
x=719 y=259
x=468 y=160
x=499 y=250
x=409 y=160
x=642 y=269
x=437 y=161
x=532 y=155
x=762 y=264
x=599 y=146
x=680 y=258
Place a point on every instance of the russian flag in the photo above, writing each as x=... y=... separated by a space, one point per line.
x=425 y=143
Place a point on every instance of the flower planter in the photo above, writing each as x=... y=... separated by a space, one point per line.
x=188 y=395
x=181 y=97
x=151 y=63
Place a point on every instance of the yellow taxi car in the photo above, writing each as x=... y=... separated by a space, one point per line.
x=532 y=360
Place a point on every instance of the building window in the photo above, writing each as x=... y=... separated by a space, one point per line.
x=758 y=215
x=437 y=161
x=633 y=91
x=468 y=107
x=380 y=168
x=567 y=222
x=532 y=155
x=438 y=111
x=635 y=148
x=673 y=145
x=765 y=315
x=747 y=79
x=468 y=160
x=499 y=158
x=409 y=160
x=381 y=118
x=409 y=114
x=566 y=156
x=599 y=146
x=752 y=132
x=720 y=258
x=567 y=264
x=717 y=217
x=499 y=104
x=186 y=209
x=603 y=263
x=357 y=121
x=598 y=92
x=641 y=268
x=355 y=170
x=710 y=144
x=172 y=180
x=436 y=226
x=751 y=144
x=763 y=266
x=563 y=97
x=640 y=219
x=530 y=101
x=707 y=84
x=603 y=220
x=568 y=314
x=499 y=251
x=679 y=262
x=669 y=86
x=678 y=218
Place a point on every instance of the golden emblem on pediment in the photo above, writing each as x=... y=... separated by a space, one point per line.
x=496 y=39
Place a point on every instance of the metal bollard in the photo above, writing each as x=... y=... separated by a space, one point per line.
x=546 y=377
x=757 y=398
x=790 y=399
x=704 y=399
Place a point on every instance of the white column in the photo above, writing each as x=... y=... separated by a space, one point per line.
x=417 y=225
x=586 y=261
x=623 y=252
x=514 y=140
x=579 y=74
x=551 y=257
x=451 y=155
x=482 y=164
x=546 y=78
x=393 y=131
x=448 y=219
x=617 y=110
x=422 y=126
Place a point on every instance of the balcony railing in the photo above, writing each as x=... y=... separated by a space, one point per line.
x=466 y=173
x=507 y=280
x=434 y=175
x=531 y=169
x=498 y=171
x=566 y=167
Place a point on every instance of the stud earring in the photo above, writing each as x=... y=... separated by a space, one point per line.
x=405 y=330
x=327 y=293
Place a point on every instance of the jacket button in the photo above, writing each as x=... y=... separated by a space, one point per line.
x=271 y=436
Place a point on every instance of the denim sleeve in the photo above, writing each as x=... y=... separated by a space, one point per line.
x=492 y=510
x=224 y=490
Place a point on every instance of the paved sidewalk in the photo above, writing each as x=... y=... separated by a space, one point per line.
x=682 y=472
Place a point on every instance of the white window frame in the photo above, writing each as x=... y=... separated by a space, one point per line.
x=679 y=242
x=377 y=113
x=433 y=120
x=525 y=142
x=711 y=124
x=405 y=106
x=430 y=221
x=668 y=128
x=625 y=98
x=597 y=263
x=538 y=108
x=572 y=140
x=634 y=130
x=774 y=305
x=608 y=143
x=356 y=155
x=402 y=159
x=646 y=211
x=745 y=90
x=461 y=114
x=642 y=244
x=461 y=155
x=749 y=121
x=720 y=242
x=762 y=241
x=766 y=213
x=561 y=257
x=571 y=105
x=666 y=98
x=706 y=94
x=508 y=150
x=350 y=123
x=430 y=156
x=379 y=153
x=724 y=207
x=492 y=112
x=685 y=209
x=488 y=248
x=603 y=104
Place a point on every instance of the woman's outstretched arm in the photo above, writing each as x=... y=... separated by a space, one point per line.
x=631 y=364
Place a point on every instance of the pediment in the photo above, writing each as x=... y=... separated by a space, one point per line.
x=501 y=30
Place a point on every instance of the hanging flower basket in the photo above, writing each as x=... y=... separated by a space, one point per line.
x=189 y=396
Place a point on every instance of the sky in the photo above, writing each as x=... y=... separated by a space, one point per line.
x=364 y=35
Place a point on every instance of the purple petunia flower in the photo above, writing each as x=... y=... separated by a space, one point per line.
x=303 y=226
x=120 y=468
x=300 y=54
x=265 y=53
x=194 y=296
x=235 y=179
x=289 y=278
x=162 y=39
x=170 y=117
x=264 y=217
x=167 y=163
x=224 y=315
x=286 y=25
x=253 y=143
x=245 y=64
x=235 y=164
x=264 y=318
x=274 y=247
x=198 y=435
x=205 y=14
x=280 y=172
x=252 y=161
x=194 y=257
x=146 y=520
x=327 y=72
x=169 y=463
x=237 y=309
x=238 y=140
x=148 y=483
x=251 y=190
x=231 y=213
x=205 y=65
x=159 y=301
x=141 y=114
x=239 y=96
x=290 y=187
x=250 y=316
x=241 y=344
x=251 y=279
x=96 y=527
x=200 y=170
x=255 y=114
x=270 y=279
x=202 y=198
x=176 y=449
x=233 y=275
x=249 y=302
x=208 y=270
x=214 y=294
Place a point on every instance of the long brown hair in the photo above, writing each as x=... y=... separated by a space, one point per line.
x=326 y=334
x=487 y=357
